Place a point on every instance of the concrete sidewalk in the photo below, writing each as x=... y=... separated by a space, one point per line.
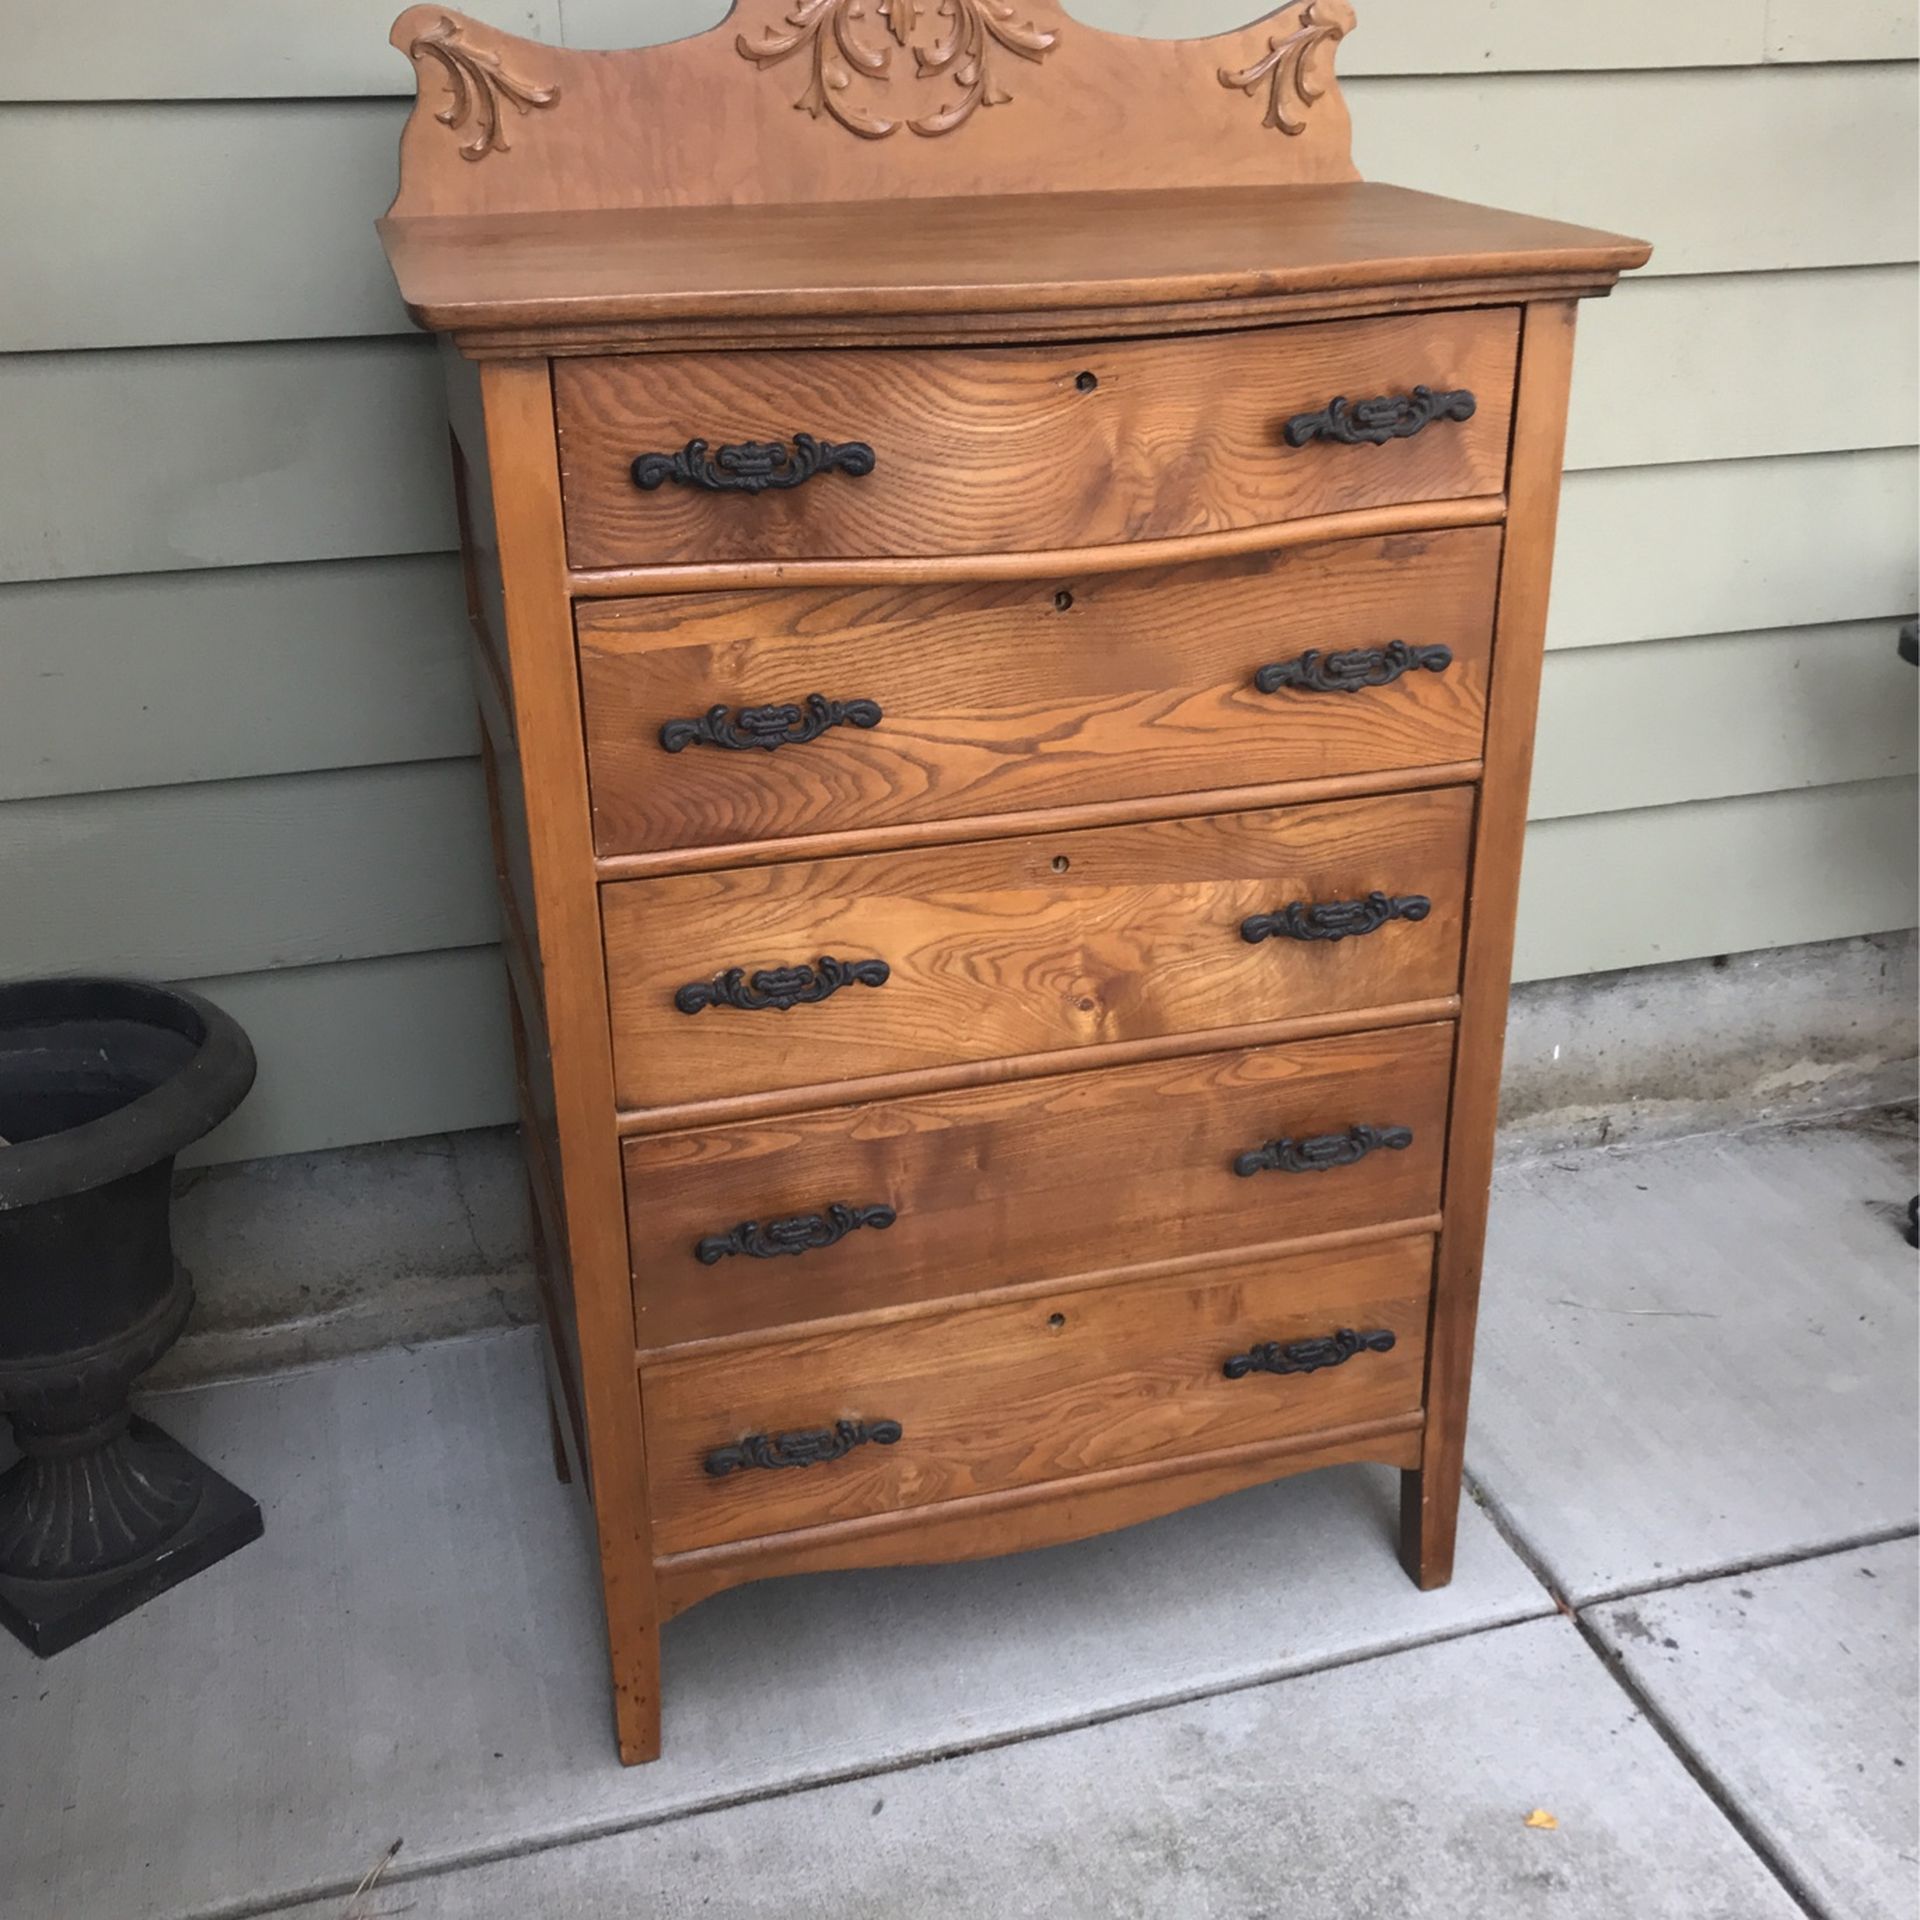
x=1683 y=1625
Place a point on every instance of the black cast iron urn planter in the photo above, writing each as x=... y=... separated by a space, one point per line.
x=102 y=1082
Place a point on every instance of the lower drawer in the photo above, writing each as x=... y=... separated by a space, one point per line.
x=774 y=1222
x=871 y=1420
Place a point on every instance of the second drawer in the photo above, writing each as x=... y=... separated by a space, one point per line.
x=776 y=1222
x=795 y=975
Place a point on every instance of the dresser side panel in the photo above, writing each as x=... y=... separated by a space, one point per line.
x=523 y=469
x=1431 y=1495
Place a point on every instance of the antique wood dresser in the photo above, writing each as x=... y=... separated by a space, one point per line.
x=1008 y=589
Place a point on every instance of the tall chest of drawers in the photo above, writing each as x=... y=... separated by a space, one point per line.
x=1008 y=589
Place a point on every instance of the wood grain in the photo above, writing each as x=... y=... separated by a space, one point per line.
x=517 y=407
x=1016 y=266
x=1430 y=1495
x=1009 y=1395
x=1028 y=945
x=1021 y=1518
x=1079 y=1174
x=1172 y=438
x=578 y=129
x=999 y=697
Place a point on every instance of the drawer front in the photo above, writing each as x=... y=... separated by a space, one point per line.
x=794 y=975
x=1007 y=1395
x=774 y=1222
x=940 y=703
x=1023 y=449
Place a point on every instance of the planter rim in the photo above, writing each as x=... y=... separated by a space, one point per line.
x=150 y=1128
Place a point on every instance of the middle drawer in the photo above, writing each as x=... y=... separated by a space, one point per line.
x=772 y=1223
x=787 y=976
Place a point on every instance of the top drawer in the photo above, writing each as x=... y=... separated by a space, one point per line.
x=1026 y=449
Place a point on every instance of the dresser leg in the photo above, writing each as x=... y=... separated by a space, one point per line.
x=1429 y=1519
x=636 y=1696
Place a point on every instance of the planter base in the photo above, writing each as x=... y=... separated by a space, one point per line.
x=51 y=1615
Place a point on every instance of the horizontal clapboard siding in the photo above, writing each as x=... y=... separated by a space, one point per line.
x=373 y=1050
x=236 y=744
x=234 y=875
x=1654 y=553
x=1734 y=713
x=1722 y=876
x=132 y=681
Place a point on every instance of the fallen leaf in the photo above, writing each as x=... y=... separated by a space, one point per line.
x=1541 y=1818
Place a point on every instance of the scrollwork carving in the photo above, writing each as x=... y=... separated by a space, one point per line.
x=976 y=28
x=827 y=35
x=478 y=84
x=1287 y=69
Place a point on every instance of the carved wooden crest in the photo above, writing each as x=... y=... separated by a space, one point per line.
x=799 y=101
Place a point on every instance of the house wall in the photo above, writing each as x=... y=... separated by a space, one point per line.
x=236 y=745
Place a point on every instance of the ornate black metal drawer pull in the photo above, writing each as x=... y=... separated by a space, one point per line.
x=753 y=466
x=1372 y=423
x=1321 y=1151
x=798 y=1233
x=776 y=989
x=768 y=727
x=802 y=1449
x=1317 y=672
x=1307 y=1356
x=1331 y=919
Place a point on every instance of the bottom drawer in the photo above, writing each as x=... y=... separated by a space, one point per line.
x=875 y=1419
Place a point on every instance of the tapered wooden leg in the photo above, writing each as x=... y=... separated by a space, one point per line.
x=636 y=1694
x=1429 y=1519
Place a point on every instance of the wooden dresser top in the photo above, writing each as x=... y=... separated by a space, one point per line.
x=855 y=162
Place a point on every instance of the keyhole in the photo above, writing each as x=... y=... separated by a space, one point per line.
x=1056 y=1321
x=1086 y=382
x=1062 y=601
x=1061 y=863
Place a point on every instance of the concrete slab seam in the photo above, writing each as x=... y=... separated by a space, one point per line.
x=1748 y=1831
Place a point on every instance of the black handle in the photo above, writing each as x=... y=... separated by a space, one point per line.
x=1321 y=1152
x=752 y=466
x=768 y=727
x=1372 y=423
x=807 y=1449
x=797 y=1233
x=1307 y=1356
x=1332 y=919
x=1317 y=672
x=776 y=989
